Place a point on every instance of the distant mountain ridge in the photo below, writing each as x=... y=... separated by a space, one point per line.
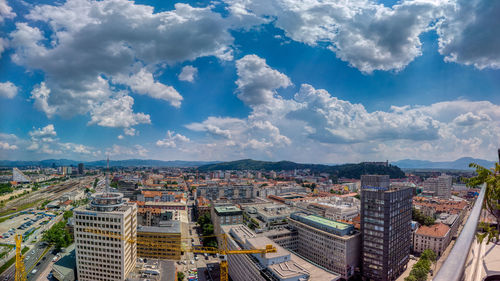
x=459 y=164
x=341 y=171
x=102 y=163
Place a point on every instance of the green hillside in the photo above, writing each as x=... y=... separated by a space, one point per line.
x=341 y=171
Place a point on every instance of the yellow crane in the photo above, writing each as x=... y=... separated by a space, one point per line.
x=19 y=275
x=222 y=250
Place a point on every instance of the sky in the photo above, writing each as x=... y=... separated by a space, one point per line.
x=330 y=81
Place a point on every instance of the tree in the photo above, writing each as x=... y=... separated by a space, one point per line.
x=95 y=183
x=419 y=273
x=58 y=235
x=491 y=197
x=429 y=255
x=180 y=276
x=410 y=278
x=67 y=215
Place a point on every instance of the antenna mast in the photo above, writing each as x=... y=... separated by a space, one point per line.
x=107 y=175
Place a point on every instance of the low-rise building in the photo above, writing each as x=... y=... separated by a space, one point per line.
x=435 y=237
x=282 y=265
x=225 y=215
x=159 y=242
x=285 y=237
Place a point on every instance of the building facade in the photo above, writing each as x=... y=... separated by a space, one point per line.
x=102 y=234
x=440 y=186
x=331 y=244
x=435 y=237
x=215 y=192
x=225 y=215
x=159 y=242
x=386 y=229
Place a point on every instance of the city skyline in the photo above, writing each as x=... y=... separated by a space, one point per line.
x=234 y=79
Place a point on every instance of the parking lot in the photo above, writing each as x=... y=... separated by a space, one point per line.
x=23 y=223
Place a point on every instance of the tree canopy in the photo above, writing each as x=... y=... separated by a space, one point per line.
x=491 y=198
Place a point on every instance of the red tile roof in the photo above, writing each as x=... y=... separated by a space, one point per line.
x=435 y=230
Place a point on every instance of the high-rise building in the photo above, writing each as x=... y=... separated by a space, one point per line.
x=19 y=176
x=378 y=181
x=331 y=244
x=81 y=168
x=102 y=256
x=385 y=228
x=440 y=186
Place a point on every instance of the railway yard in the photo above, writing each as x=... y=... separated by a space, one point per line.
x=30 y=216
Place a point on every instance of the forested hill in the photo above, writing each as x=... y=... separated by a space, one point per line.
x=341 y=171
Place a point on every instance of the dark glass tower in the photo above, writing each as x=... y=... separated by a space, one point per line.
x=385 y=227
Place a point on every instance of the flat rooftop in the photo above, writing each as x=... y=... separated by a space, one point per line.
x=227 y=209
x=327 y=222
x=324 y=224
x=170 y=227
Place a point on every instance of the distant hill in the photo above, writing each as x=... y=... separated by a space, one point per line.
x=459 y=164
x=344 y=170
x=102 y=163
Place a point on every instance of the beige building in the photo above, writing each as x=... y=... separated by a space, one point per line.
x=105 y=257
x=281 y=266
x=435 y=237
x=331 y=244
x=440 y=186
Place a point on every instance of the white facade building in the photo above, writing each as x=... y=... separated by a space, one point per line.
x=101 y=256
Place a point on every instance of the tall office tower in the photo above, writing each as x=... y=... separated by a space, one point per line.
x=381 y=181
x=102 y=256
x=81 y=168
x=386 y=228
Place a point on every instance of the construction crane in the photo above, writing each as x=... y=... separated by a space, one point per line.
x=222 y=251
x=20 y=274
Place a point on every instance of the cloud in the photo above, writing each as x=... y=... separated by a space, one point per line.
x=88 y=49
x=339 y=121
x=118 y=113
x=257 y=82
x=130 y=131
x=144 y=83
x=44 y=140
x=3 y=45
x=120 y=137
x=468 y=33
x=172 y=139
x=117 y=150
x=367 y=35
x=8 y=90
x=7 y=146
x=5 y=11
x=188 y=73
x=315 y=126
x=47 y=132
x=470 y=119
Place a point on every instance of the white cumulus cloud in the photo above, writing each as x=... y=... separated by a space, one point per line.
x=172 y=139
x=469 y=33
x=188 y=73
x=8 y=90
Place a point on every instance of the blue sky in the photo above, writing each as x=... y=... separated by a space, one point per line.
x=322 y=82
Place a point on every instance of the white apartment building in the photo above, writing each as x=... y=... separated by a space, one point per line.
x=440 y=186
x=109 y=256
